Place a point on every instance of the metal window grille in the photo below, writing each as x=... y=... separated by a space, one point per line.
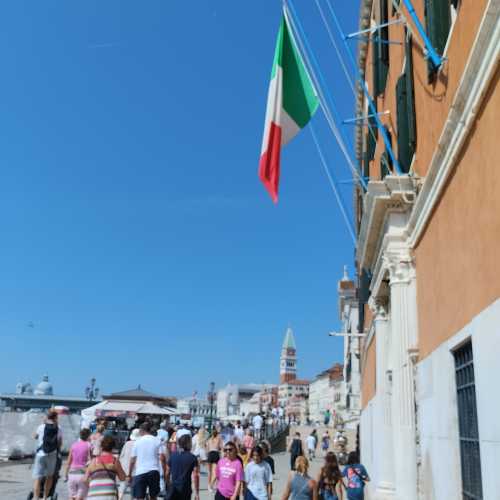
x=472 y=488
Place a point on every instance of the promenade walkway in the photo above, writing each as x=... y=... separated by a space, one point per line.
x=15 y=479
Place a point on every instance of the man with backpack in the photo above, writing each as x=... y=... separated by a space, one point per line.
x=49 y=437
x=295 y=449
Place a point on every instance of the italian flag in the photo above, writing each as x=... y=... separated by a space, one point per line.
x=291 y=102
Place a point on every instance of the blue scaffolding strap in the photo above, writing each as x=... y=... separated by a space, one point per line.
x=372 y=29
x=364 y=117
x=435 y=58
x=375 y=39
x=350 y=181
x=371 y=105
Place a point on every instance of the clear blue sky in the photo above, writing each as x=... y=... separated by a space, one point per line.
x=135 y=233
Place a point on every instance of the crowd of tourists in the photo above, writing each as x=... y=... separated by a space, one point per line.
x=156 y=461
x=331 y=483
x=166 y=461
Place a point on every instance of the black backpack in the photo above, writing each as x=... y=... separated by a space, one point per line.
x=50 y=438
x=296 y=448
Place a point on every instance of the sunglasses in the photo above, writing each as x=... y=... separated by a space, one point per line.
x=228 y=450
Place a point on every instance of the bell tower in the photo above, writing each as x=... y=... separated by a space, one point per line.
x=288 y=359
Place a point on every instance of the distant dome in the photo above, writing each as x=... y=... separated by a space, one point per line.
x=44 y=388
x=24 y=388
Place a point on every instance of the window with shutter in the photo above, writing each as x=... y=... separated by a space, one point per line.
x=405 y=113
x=366 y=165
x=402 y=123
x=410 y=95
x=375 y=67
x=381 y=50
x=385 y=158
x=372 y=132
x=438 y=23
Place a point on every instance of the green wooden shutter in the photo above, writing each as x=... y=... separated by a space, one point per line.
x=385 y=158
x=438 y=23
x=381 y=52
x=375 y=67
x=384 y=32
x=405 y=113
x=404 y=158
x=410 y=96
x=366 y=165
x=384 y=169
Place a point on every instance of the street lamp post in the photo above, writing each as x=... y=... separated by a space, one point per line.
x=91 y=391
x=211 y=401
x=192 y=409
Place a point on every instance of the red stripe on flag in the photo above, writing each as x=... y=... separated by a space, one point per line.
x=269 y=166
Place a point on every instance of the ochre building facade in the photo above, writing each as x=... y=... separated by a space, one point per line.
x=427 y=250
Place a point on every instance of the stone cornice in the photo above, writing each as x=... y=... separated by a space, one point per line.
x=395 y=194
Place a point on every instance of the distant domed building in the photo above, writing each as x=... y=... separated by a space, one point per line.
x=44 y=388
x=24 y=388
x=43 y=398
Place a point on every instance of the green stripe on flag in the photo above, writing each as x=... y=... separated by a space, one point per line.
x=299 y=98
x=278 y=50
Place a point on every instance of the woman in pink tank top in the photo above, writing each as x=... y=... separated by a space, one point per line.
x=78 y=459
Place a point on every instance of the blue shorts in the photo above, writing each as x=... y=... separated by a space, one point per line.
x=149 y=481
x=44 y=465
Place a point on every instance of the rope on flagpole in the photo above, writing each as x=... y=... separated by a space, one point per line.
x=307 y=46
x=322 y=100
x=342 y=62
x=364 y=86
x=335 y=46
x=333 y=185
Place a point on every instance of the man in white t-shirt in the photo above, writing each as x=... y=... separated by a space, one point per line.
x=311 y=446
x=257 y=422
x=148 y=456
x=239 y=433
x=183 y=431
x=49 y=440
x=162 y=433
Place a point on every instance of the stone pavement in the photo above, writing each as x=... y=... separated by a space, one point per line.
x=15 y=479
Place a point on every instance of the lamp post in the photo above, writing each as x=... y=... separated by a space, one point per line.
x=91 y=391
x=192 y=408
x=211 y=400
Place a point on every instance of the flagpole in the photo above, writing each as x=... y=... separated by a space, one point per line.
x=319 y=92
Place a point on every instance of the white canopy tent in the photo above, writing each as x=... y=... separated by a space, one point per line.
x=123 y=409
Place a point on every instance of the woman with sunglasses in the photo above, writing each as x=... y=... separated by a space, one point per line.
x=229 y=474
x=258 y=477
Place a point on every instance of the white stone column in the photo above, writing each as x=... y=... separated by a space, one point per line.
x=403 y=338
x=384 y=488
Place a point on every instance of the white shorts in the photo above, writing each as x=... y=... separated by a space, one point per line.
x=44 y=465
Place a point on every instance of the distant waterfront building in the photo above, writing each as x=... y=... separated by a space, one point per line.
x=327 y=392
x=195 y=409
x=348 y=310
x=138 y=394
x=233 y=399
x=41 y=398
